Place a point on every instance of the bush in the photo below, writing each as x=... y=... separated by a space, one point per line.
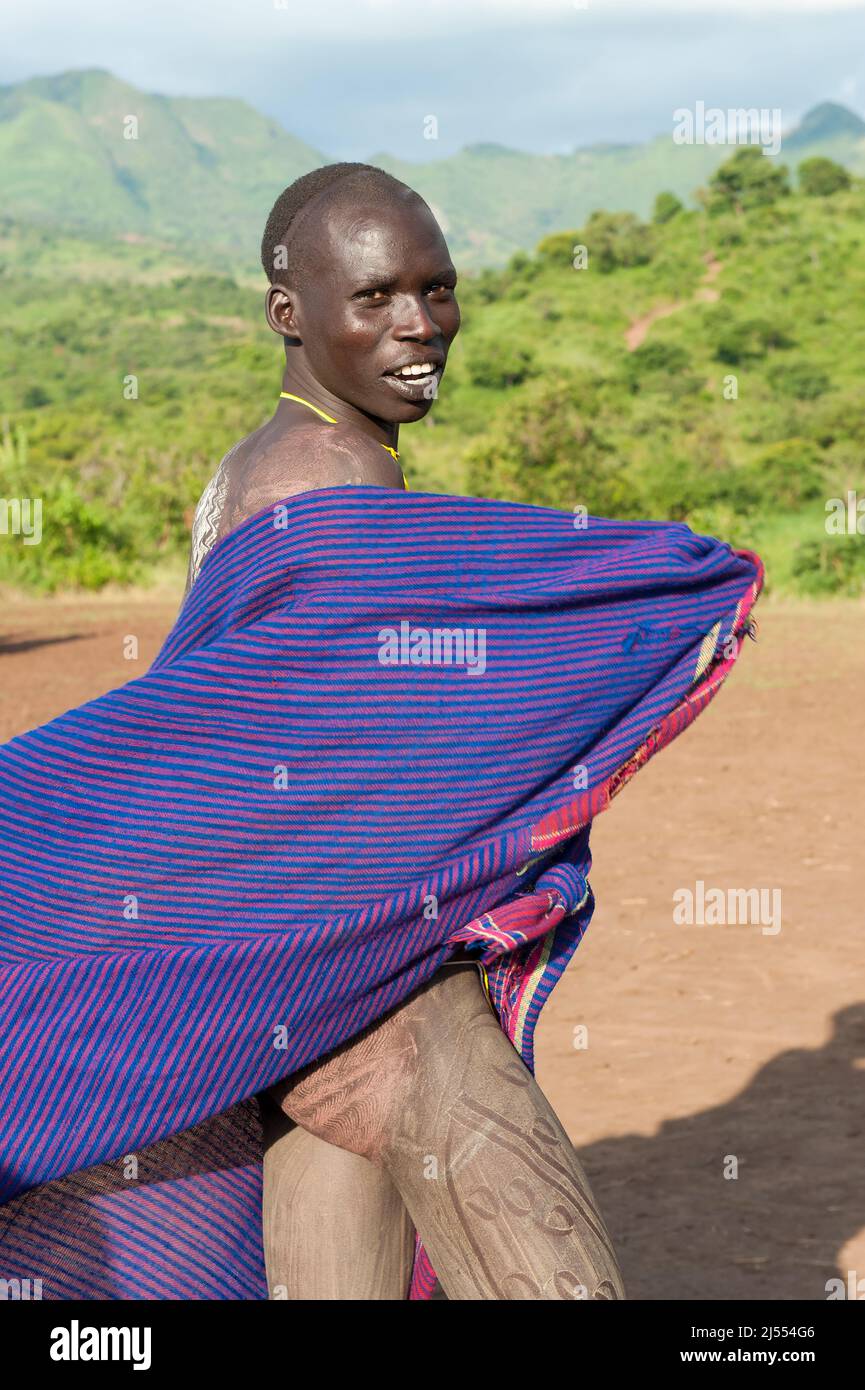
x=518 y=262
x=744 y=340
x=678 y=486
x=749 y=179
x=840 y=416
x=800 y=379
x=545 y=450
x=786 y=476
x=35 y=396
x=667 y=205
x=548 y=308
x=495 y=363
x=728 y=231
x=85 y=543
x=617 y=239
x=819 y=177
x=831 y=566
x=522 y=266
x=489 y=285
x=725 y=522
x=558 y=249
x=660 y=366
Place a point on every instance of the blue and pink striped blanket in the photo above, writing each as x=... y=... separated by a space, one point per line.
x=379 y=730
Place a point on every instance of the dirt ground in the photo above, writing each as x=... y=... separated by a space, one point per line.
x=707 y=1045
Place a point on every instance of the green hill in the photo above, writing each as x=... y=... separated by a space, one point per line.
x=830 y=130
x=200 y=171
x=707 y=368
x=203 y=172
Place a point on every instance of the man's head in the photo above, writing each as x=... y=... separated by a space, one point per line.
x=361 y=285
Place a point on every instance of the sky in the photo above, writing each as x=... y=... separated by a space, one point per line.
x=356 y=78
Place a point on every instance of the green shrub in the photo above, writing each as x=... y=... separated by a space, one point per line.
x=834 y=565
x=658 y=366
x=667 y=205
x=558 y=249
x=495 y=363
x=724 y=521
x=548 y=308
x=748 y=179
x=785 y=476
x=676 y=486
x=617 y=239
x=838 y=417
x=85 y=543
x=820 y=177
x=745 y=339
x=543 y=450
x=488 y=286
x=35 y=396
x=803 y=380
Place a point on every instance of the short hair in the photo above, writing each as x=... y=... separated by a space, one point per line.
x=360 y=177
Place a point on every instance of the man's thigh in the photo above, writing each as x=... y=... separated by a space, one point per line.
x=355 y=1097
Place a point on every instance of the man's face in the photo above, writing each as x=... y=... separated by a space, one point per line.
x=379 y=296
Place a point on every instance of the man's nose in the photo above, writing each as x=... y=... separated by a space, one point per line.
x=414 y=320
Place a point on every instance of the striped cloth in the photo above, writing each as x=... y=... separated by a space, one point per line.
x=379 y=731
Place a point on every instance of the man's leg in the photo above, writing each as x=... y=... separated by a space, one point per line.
x=334 y=1225
x=437 y=1098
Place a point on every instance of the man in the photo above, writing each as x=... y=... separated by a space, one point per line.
x=429 y=1120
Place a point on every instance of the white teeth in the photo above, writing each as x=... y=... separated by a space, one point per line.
x=419 y=369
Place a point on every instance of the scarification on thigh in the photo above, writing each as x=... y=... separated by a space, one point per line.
x=539 y=1207
x=550 y=1171
x=349 y=1096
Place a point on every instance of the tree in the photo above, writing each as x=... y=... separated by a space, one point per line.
x=489 y=285
x=662 y=368
x=667 y=205
x=786 y=475
x=542 y=447
x=35 y=396
x=749 y=179
x=819 y=177
x=801 y=379
x=558 y=248
x=825 y=567
x=496 y=363
x=738 y=340
x=617 y=238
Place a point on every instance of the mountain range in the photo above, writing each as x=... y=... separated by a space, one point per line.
x=89 y=153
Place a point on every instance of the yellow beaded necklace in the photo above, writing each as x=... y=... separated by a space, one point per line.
x=289 y=396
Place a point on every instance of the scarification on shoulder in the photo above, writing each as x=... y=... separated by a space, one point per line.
x=205 y=523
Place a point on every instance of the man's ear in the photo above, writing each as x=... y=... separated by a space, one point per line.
x=279 y=310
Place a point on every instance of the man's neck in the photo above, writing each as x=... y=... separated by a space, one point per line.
x=300 y=382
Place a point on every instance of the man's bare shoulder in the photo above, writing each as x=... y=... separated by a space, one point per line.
x=309 y=457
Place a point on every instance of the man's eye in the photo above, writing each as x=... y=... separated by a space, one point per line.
x=371 y=295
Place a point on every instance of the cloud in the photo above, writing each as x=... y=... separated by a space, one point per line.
x=346 y=20
x=355 y=78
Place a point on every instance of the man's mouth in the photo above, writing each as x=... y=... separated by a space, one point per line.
x=415 y=381
x=415 y=369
